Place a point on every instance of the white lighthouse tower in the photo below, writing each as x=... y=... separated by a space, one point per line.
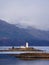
x=26 y=44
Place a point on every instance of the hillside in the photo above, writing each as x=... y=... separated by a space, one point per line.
x=12 y=35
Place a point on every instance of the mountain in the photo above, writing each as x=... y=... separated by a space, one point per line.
x=40 y=34
x=12 y=35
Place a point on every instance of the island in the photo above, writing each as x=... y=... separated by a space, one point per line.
x=27 y=53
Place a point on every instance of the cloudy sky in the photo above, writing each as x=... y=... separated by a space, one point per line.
x=34 y=13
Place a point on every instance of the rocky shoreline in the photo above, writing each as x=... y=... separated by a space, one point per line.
x=29 y=53
x=32 y=56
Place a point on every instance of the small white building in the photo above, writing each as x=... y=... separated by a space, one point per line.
x=24 y=46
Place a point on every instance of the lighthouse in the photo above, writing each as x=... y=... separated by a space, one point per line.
x=26 y=44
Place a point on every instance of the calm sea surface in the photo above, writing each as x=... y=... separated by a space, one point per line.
x=16 y=61
x=10 y=60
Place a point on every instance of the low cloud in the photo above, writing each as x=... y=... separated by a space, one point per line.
x=26 y=12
